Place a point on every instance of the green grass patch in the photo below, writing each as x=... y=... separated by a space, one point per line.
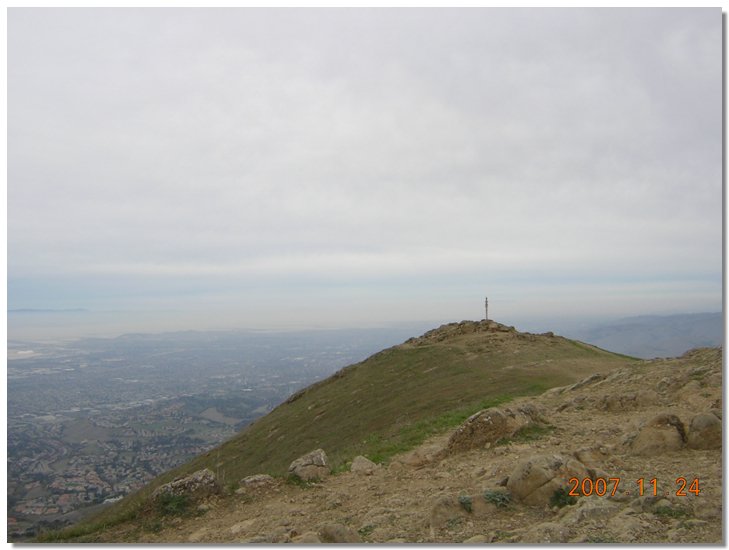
x=168 y=504
x=366 y=531
x=672 y=512
x=600 y=539
x=527 y=434
x=380 y=449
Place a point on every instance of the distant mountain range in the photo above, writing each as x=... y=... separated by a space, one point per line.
x=650 y=336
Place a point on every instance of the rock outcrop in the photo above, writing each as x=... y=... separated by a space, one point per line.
x=487 y=427
x=198 y=484
x=535 y=480
x=257 y=480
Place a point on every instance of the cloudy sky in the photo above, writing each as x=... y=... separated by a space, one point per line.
x=365 y=167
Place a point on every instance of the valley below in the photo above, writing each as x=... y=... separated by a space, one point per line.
x=92 y=420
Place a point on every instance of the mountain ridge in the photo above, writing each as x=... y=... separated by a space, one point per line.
x=391 y=402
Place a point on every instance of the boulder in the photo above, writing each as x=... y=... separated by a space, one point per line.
x=257 y=480
x=363 y=466
x=338 y=533
x=664 y=432
x=704 y=432
x=311 y=467
x=535 y=480
x=488 y=426
x=198 y=484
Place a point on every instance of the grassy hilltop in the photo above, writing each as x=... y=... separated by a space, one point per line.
x=389 y=403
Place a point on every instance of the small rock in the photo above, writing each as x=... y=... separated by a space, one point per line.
x=477 y=539
x=310 y=537
x=336 y=532
x=362 y=466
x=242 y=526
x=693 y=523
x=588 y=509
x=198 y=535
x=258 y=480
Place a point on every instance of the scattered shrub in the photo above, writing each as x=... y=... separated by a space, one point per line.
x=466 y=503
x=366 y=530
x=561 y=498
x=498 y=498
x=172 y=505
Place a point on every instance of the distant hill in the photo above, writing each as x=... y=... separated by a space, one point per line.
x=389 y=403
x=650 y=336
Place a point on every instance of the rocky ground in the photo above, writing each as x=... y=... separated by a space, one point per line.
x=504 y=476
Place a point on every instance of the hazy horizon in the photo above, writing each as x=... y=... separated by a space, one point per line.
x=47 y=326
x=274 y=168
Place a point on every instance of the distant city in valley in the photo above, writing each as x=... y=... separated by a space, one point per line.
x=93 y=419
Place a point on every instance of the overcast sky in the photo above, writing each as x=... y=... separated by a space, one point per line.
x=364 y=167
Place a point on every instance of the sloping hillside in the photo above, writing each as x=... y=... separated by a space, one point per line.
x=393 y=401
x=658 y=421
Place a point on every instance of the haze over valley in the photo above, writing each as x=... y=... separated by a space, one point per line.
x=94 y=419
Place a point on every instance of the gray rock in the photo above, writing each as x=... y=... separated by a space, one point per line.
x=257 y=480
x=311 y=467
x=198 y=484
